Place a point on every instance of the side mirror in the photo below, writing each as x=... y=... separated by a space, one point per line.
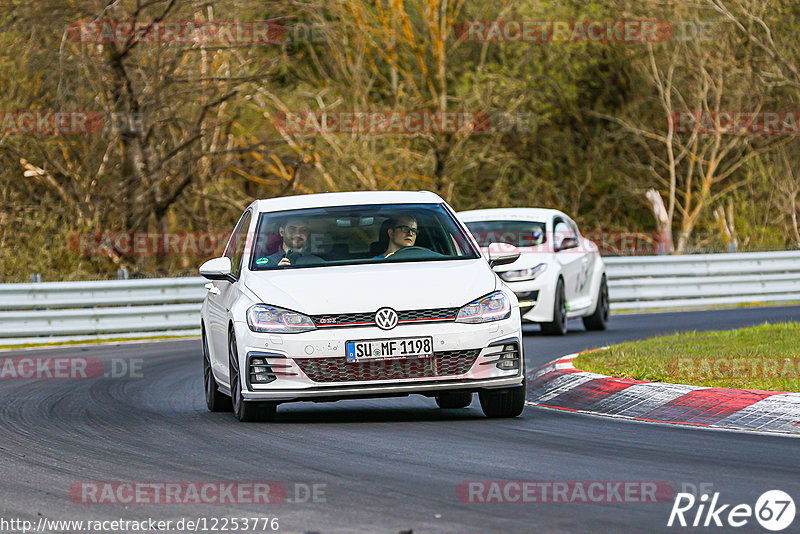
x=217 y=269
x=502 y=254
x=566 y=243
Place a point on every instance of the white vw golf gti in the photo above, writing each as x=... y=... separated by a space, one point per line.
x=352 y=295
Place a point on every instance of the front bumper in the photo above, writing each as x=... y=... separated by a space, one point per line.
x=325 y=394
x=312 y=366
x=536 y=297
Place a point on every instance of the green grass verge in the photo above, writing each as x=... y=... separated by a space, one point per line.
x=91 y=341
x=763 y=357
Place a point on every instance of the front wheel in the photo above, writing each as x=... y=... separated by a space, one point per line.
x=507 y=402
x=599 y=319
x=246 y=412
x=558 y=326
x=215 y=399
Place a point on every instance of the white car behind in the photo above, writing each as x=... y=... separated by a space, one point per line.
x=559 y=275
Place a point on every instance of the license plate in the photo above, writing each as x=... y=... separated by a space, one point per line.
x=384 y=349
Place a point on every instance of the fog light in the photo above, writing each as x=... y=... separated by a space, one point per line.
x=259 y=370
x=507 y=364
x=508 y=358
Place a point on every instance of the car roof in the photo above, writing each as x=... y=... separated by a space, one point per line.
x=317 y=200
x=522 y=214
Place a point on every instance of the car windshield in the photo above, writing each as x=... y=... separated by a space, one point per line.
x=347 y=235
x=517 y=233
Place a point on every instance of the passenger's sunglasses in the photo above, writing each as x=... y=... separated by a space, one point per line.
x=406 y=229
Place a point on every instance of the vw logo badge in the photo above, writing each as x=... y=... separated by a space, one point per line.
x=386 y=318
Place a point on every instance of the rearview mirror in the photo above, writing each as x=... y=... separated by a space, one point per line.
x=502 y=254
x=218 y=269
x=355 y=221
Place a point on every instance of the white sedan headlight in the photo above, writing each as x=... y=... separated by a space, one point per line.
x=274 y=320
x=523 y=274
x=492 y=307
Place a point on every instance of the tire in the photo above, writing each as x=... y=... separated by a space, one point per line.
x=450 y=401
x=215 y=399
x=508 y=402
x=246 y=412
x=558 y=326
x=599 y=319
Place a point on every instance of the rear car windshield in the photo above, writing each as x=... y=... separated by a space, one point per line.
x=517 y=233
x=346 y=235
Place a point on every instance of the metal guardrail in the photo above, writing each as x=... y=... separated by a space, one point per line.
x=79 y=311
x=76 y=311
x=653 y=282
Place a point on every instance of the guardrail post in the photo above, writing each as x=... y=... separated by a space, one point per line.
x=36 y=278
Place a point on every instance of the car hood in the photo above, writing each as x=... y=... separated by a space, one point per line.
x=366 y=288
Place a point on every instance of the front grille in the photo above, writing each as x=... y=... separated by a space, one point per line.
x=445 y=363
x=368 y=318
x=440 y=314
x=344 y=319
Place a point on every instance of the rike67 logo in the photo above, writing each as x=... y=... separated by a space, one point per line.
x=774 y=510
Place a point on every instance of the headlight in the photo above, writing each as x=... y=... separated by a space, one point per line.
x=492 y=307
x=523 y=274
x=274 y=320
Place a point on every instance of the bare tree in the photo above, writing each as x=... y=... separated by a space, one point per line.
x=690 y=152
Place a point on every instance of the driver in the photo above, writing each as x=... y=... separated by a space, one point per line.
x=294 y=232
x=402 y=233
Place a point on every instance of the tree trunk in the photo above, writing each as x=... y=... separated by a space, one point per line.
x=663 y=225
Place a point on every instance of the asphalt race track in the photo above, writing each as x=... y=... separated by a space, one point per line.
x=386 y=465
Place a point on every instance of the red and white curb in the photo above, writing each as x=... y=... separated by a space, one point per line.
x=559 y=385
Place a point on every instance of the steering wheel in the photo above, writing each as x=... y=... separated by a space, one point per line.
x=414 y=252
x=408 y=249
